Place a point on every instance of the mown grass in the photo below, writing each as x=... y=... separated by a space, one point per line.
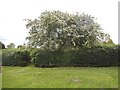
x=0 y=81
x=62 y=77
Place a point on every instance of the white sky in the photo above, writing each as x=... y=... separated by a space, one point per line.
x=12 y=13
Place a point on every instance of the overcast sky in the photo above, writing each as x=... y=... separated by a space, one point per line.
x=13 y=13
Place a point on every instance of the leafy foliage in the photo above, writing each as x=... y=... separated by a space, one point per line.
x=11 y=45
x=15 y=57
x=97 y=56
x=22 y=46
x=2 y=46
x=56 y=30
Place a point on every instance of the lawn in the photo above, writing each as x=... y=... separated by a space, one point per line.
x=0 y=81
x=62 y=77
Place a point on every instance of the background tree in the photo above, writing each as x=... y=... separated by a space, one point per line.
x=2 y=46
x=22 y=46
x=56 y=30
x=11 y=45
x=107 y=41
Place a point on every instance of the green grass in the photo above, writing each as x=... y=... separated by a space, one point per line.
x=0 y=81
x=62 y=77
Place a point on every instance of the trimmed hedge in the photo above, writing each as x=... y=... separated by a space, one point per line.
x=97 y=56
x=50 y=59
x=15 y=57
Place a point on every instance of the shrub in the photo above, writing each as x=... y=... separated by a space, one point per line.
x=96 y=56
x=99 y=56
x=15 y=57
x=47 y=59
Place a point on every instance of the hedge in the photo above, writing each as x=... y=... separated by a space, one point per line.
x=51 y=59
x=15 y=57
x=97 y=56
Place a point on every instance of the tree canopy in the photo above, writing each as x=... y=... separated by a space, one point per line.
x=56 y=30
x=11 y=45
x=2 y=46
x=22 y=46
